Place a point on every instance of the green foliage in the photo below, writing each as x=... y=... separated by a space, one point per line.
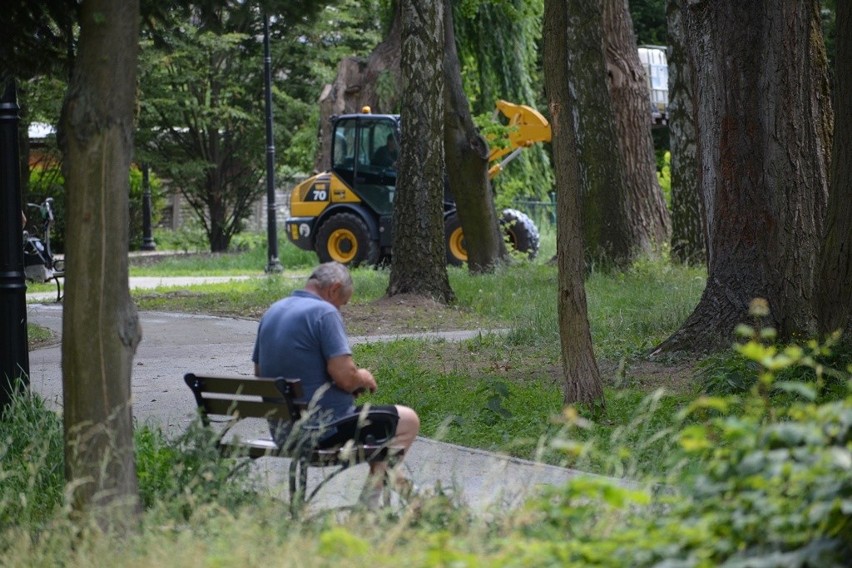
x=201 y=121
x=750 y=480
x=649 y=21
x=767 y=484
x=796 y=371
x=48 y=182
x=31 y=470
x=664 y=175
x=189 y=237
x=137 y=190
x=312 y=52
x=498 y=47
x=634 y=310
x=38 y=334
x=187 y=474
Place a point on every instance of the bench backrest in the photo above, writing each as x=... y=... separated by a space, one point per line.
x=246 y=397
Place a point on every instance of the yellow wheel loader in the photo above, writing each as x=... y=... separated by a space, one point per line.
x=345 y=214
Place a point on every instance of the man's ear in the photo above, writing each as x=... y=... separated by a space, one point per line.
x=333 y=289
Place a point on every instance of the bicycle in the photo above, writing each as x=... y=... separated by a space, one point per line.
x=40 y=264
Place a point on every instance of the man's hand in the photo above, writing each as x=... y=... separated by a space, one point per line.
x=348 y=377
x=367 y=380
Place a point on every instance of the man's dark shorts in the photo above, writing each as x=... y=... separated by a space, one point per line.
x=377 y=424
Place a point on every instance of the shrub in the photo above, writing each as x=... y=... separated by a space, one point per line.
x=48 y=182
x=765 y=480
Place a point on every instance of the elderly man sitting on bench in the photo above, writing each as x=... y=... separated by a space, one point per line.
x=303 y=337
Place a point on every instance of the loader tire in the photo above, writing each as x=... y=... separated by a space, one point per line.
x=520 y=231
x=456 y=249
x=345 y=238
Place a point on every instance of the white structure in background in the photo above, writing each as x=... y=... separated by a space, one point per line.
x=653 y=58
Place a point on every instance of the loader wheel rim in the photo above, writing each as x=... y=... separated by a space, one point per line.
x=457 y=245
x=342 y=245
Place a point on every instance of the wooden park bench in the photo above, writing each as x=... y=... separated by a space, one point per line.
x=229 y=400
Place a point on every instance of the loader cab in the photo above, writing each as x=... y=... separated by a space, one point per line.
x=364 y=151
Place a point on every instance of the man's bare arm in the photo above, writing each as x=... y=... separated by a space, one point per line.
x=348 y=377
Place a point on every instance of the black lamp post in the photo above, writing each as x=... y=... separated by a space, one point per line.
x=14 y=357
x=147 y=239
x=273 y=264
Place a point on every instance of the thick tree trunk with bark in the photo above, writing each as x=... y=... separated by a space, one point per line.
x=606 y=227
x=834 y=299
x=688 y=226
x=419 y=254
x=582 y=383
x=373 y=82
x=466 y=155
x=649 y=224
x=764 y=121
x=100 y=329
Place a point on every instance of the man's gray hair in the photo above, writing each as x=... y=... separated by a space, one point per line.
x=330 y=273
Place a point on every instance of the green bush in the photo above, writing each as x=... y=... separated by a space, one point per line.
x=48 y=182
x=762 y=481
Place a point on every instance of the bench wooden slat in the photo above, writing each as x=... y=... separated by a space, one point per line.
x=248 y=386
x=251 y=448
x=247 y=408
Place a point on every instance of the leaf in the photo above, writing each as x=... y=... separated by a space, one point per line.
x=694 y=438
x=796 y=387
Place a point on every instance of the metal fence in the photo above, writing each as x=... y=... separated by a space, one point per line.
x=543 y=213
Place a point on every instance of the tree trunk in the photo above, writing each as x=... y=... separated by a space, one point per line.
x=374 y=82
x=466 y=155
x=649 y=224
x=603 y=202
x=419 y=254
x=688 y=225
x=582 y=383
x=100 y=329
x=834 y=299
x=764 y=135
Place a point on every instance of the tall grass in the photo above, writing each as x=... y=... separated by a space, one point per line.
x=768 y=484
x=31 y=458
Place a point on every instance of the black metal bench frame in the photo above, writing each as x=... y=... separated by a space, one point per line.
x=228 y=400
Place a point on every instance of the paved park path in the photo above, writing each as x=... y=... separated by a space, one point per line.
x=174 y=344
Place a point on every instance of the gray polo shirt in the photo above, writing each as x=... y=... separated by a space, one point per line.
x=295 y=339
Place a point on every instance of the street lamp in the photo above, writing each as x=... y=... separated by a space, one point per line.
x=14 y=357
x=273 y=264
x=147 y=238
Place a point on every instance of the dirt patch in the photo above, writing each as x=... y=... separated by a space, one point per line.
x=417 y=314
x=676 y=376
x=407 y=313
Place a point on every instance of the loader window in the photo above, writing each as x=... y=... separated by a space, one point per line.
x=357 y=143
x=384 y=147
x=344 y=144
